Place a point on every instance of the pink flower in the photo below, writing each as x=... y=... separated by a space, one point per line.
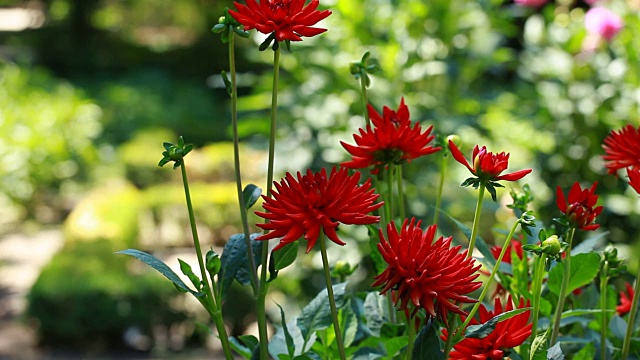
x=531 y=3
x=602 y=22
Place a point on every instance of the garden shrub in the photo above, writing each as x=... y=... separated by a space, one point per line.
x=85 y=299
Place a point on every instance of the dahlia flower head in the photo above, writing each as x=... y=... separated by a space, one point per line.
x=424 y=273
x=634 y=178
x=579 y=206
x=625 y=300
x=285 y=19
x=622 y=149
x=506 y=335
x=603 y=22
x=391 y=140
x=314 y=202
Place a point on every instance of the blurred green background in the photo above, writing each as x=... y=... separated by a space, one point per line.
x=89 y=90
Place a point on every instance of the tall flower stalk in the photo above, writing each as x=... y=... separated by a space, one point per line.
x=563 y=289
x=332 y=300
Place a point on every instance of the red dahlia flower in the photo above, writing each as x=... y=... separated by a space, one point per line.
x=315 y=202
x=625 y=300
x=391 y=140
x=506 y=335
x=514 y=246
x=622 y=149
x=283 y=19
x=431 y=275
x=579 y=211
x=634 y=178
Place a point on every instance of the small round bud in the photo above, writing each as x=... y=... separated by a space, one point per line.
x=213 y=263
x=552 y=246
x=221 y=20
x=175 y=153
x=457 y=141
x=342 y=267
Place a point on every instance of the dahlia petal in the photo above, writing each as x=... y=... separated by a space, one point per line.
x=561 y=202
x=455 y=152
x=514 y=175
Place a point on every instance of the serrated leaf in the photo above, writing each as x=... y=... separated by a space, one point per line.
x=160 y=267
x=584 y=268
x=251 y=194
x=427 y=344
x=317 y=314
x=555 y=353
x=234 y=264
x=586 y=353
x=483 y=330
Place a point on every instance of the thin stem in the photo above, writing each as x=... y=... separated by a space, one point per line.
x=563 y=290
x=390 y=208
x=332 y=301
x=365 y=101
x=476 y=221
x=632 y=319
x=216 y=315
x=452 y=322
x=209 y=292
x=264 y=287
x=236 y=164
x=411 y=331
x=486 y=286
x=604 y=279
x=538 y=277
x=400 y=185
x=443 y=170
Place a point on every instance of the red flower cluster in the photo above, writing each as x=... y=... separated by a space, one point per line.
x=487 y=166
x=622 y=149
x=391 y=140
x=286 y=19
x=507 y=334
x=514 y=246
x=634 y=178
x=580 y=211
x=431 y=275
x=625 y=300
x=315 y=202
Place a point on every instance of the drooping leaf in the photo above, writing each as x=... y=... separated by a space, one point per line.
x=584 y=268
x=251 y=194
x=317 y=314
x=282 y=258
x=160 y=267
x=234 y=261
x=483 y=330
x=427 y=344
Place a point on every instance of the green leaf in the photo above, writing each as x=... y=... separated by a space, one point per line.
x=481 y=245
x=244 y=351
x=374 y=307
x=483 y=330
x=584 y=268
x=160 y=267
x=374 y=239
x=586 y=353
x=282 y=258
x=427 y=344
x=317 y=314
x=618 y=327
x=227 y=82
x=394 y=345
x=287 y=335
x=251 y=194
x=580 y=312
x=555 y=353
x=348 y=325
x=539 y=346
x=234 y=261
x=186 y=269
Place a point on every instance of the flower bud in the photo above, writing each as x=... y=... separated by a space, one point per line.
x=213 y=263
x=457 y=141
x=552 y=246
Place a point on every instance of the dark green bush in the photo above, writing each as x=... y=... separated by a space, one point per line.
x=86 y=298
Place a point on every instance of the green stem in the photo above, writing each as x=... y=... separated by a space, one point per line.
x=476 y=221
x=443 y=170
x=411 y=331
x=400 y=202
x=451 y=328
x=632 y=317
x=216 y=315
x=236 y=163
x=486 y=286
x=563 y=290
x=390 y=208
x=209 y=292
x=264 y=287
x=538 y=277
x=365 y=101
x=332 y=301
x=604 y=279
